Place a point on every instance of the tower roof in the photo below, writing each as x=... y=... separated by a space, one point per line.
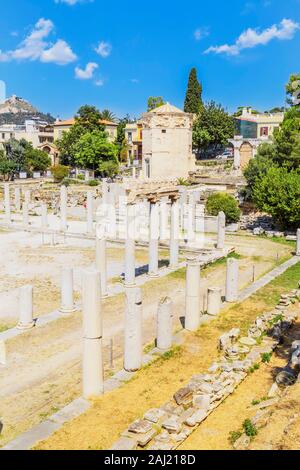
x=167 y=109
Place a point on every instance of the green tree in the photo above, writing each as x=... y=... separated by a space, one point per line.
x=15 y=152
x=109 y=168
x=193 y=98
x=293 y=90
x=119 y=142
x=93 y=149
x=155 y=102
x=258 y=167
x=7 y=167
x=123 y=157
x=278 y=193
x=108 y=115
x=218 y=202
x=212 y=128
x=60 y=172
x=36 y=160
x=89 y=118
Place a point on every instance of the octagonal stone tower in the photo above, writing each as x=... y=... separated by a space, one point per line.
x=167 y=143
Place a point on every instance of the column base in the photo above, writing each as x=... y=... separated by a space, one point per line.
x=27 y=326
x=67 y=311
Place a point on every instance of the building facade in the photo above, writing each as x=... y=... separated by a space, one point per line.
x=253 y=130
x=65 y=126
x=134 y=138
x=39 y=133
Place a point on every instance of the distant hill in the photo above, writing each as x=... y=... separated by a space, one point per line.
x=15 y=110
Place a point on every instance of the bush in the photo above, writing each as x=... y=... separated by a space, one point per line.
x=218 y=202
x=93 y=183
x=278 y=194
x=81 y=177
x=59 y=172
x=249 y=428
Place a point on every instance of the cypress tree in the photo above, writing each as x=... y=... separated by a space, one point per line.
x=193 y=99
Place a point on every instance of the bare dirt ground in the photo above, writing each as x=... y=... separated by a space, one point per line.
x=109 y=415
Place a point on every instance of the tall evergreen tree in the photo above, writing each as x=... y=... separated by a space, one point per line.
x=193 y=97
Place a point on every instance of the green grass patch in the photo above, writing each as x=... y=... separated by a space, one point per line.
x=234 y=436
x=249 y=428
x=266 y=357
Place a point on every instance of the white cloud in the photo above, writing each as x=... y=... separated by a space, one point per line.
x=36 y=46
x=252 y=38
x=60 y=53
x=104 y=49
x=134 y=80
x=201 y=33
x=87 y=73
x=99 y=82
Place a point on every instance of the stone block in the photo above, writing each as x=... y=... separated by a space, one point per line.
x=140 y=426
x=183 y=396
x=155 y=415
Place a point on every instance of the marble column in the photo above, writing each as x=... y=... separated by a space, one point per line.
x=67 y=296
x=63 y=208
x=153 y=239
x=232 y=276
x=25 y=211
x=191 y=219
x=221 y=231
x=174 y=234
x=44 y=220
x=17 y=199
x=129 y=245
x=27 y=196
x=192 y=303
x=92 y=364
x=25 y=308
x=237 y=157
x=89 y=212
x=163 y=219
x=298 y=243
x=164 y=327
x=214 y=300
x=7 y=203
x=101 y=263
x=104 y=191
x=133 y=329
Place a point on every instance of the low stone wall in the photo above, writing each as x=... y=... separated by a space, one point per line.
x=165 y=428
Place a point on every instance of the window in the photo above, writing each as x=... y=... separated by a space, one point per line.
x=164 y=131
x=264 y=131
x=130 y=137
x=3 y=135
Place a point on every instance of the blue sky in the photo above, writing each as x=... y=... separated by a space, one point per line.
x=60 y=54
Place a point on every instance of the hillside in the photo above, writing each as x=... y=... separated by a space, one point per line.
x=16 y=110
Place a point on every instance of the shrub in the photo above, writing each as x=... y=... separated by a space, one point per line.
x=249 y=428
x=218 y=202
x=266 y=357
x=278 y=194
x=59 y=172
x=81 y=177
x=93 y=183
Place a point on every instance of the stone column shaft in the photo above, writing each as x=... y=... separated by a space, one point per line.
x=25 y=215
x=63 y=208
x=192 y=306
x=232 y=276
x=25 y=308
x=89 y=209
x=133 y=329
x=129 y=246
x=92 y=365
x=221 y=230
x=17 y=199
x=7 y=203
x=67 y=295
x=44 y=216
x=214 y=300
x=164 y=329
x=298 y=243
x=174 y=235
x=101 y=264
x=153 y=239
